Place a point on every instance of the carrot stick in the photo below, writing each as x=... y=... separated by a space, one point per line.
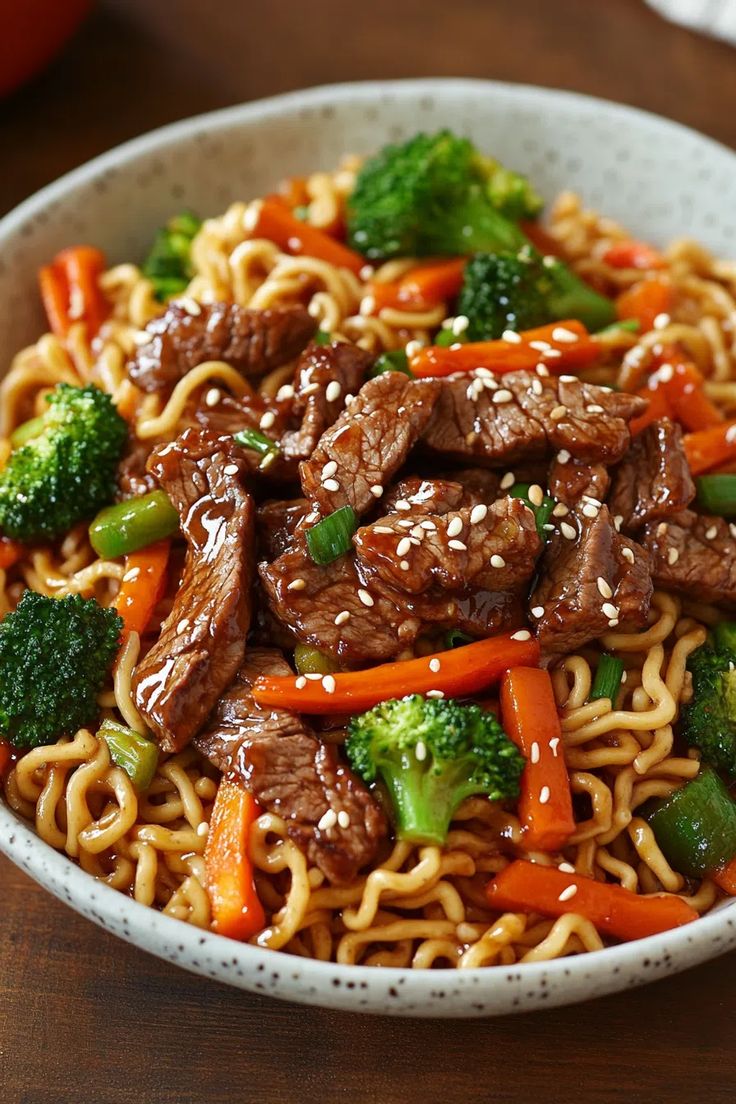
x=70 y=289
x=545 y=345
x=633 y=254
x=529 y=714
x=644 y=301
x=142 y=586
x=685 y=391
x=294 y=192
x=236 y=910
x=542 y=240
x=420 y=288
x=273 y=220
x=10 y=552
x=726 y=878
x=659 y=407
x=529 y=887
x=55 y=298
x=710 y=448
x=462 y=671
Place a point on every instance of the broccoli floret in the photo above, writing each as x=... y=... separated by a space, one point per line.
x=168 y=266
x=66 y=472
x=709 y=720
x=516 y=291
x=431 y=754
x=435 y=194
x=54 y=656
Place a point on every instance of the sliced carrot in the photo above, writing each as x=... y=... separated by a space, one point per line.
x=529 y=887
x=529 y=714
x=457 y=673
x=558 y=345
x=645 y=301
x=633 y=254
x=236 y=910
x=55 y=298
x=659 y=407
x=711 y=448
x=129 y=401
x=421 y=288
x=542 y=240
x=726 y=878
x=294 y=191
x=142 y=586
x=273 y=220
x=10 y=552
x=70 y=289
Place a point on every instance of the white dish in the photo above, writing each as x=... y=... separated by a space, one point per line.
x=660 y=179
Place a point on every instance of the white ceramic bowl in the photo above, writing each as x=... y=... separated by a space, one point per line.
x=659 y=178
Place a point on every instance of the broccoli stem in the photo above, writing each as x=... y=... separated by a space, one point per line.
x=137 y=756
x=27 y=431
x=724 y=635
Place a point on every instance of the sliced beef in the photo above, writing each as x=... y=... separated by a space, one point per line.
x=479 y=484
x=494 y=547
x=230 y=415
x=359 y=455
x=570 y=481
x=202 y=641
x=326 y=376
x=589 y=583
x=415 y=495
x=133 y=477
x=278 y=523
x=252 y=341
x=292 y=774
x=694 y=554
x=333 y=609
x=523 y=415
x=653 y=481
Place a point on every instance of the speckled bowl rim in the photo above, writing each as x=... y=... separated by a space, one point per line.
x=478 y=992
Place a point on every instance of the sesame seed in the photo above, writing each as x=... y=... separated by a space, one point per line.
x=502 y=396
x=537 y=387
x=365 y=598
x=613 y=623
x=367 y=272
x=712 y=533
x=284 y=393
x=562 y=334
x=618 y=521
x=435 y=694
x=566 y=868
x=404 y=565
x=132 y=575
x=383 y=529
x=563 y=456
x=203 y=828
x=609 y=609
x=420 y=751
x=661 y=321
x=403 y=546
x=540 y=346
x=536 y=495
x=604 y=588
x=434 y=664
x=589 y=510
x=402 y=504
x=478 y=513
x=457 y=545
x=568 y=893
x=497 y=561
x=297 y=584
x=313 y=677
x=328 y=684
x=231 y=469
x=485 y=373
x=672 y=556
x=460 y=324
x=534 y=752
x=367 y=304
x=544 y=795
x=594 y=408
x=521 y=634
x=406 y=523
x=191 y=306
x=558 y=412
x=333 y=391
x=561 y=510
x=342 y=617
x=470 y=393
x=628 y=554
x=455 y=526
x=542 y=370
x=329 y=469
x=212 y=397
x=554 y=743
x=343 y=819
x=183 y=624
x=537 y=611
x=665 y=373
x=507 y=481
x=412 y=348
x=329 y=820
x=428 y=525
x=732 y=529
x=301 y=682
x=331 y=485
x=312 y=389
x=511 y=336
x=376 y=490
x=267 y=420
x=551 y=353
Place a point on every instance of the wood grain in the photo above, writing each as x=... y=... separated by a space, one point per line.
x=86 y=1018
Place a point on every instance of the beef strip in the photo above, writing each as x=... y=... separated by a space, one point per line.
x=133 y=478
x=359 y=455
x=580 y=578
x=325 y=376
x=278 y=524
x=695 y=554
x=569 y=481
x=524 y=415
x=202 y=641
x=653 y=481
x=309 y=598
x=415 y=495
x=479 y=484
x=252 y=341
x=230 y=415
x=292 y=774
x=494 y=547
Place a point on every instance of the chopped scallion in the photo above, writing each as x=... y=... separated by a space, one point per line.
x=394 y=361
x=455 y=638
x=542 y=513
x=607 y=678
x=332 y=536
x=256 y=441
x=717 y=494
x=311 y=661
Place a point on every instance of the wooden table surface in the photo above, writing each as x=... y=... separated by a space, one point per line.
x=86 y=1018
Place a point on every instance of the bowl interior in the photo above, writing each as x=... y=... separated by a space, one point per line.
x=660 y=179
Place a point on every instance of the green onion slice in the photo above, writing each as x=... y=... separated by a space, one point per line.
x=455 y=638
x=311 y=661
x=716 y=493
x=266 y=447
x=607 y=678
x=631 y=325
x=332 y=537
x=394 y=361
x=542 y=513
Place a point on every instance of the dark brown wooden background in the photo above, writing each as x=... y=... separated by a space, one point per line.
x=86 y=1018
